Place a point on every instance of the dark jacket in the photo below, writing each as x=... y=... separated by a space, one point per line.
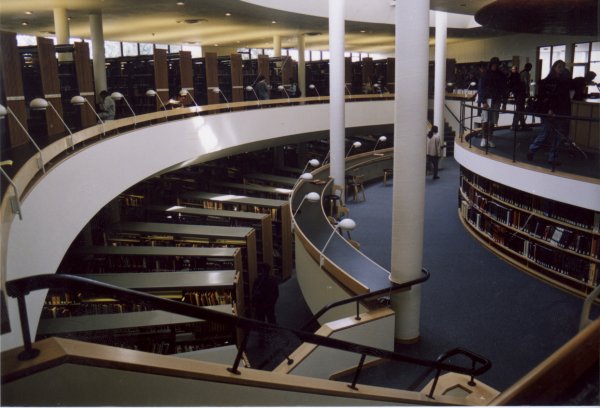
x=493 y=86
x=554 y=94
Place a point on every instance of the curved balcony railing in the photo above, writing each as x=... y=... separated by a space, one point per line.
x=578 y=150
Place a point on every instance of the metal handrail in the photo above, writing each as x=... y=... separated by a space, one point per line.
x=358 y=298
x=19 y=288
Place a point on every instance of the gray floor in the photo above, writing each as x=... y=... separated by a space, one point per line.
x=473 y=300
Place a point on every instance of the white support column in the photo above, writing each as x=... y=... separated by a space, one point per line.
x=301 y=40
x=277 y=45
x=337 y=80
x=61 y=28
x=439 y=98
x=412 y=48
x=97 y=34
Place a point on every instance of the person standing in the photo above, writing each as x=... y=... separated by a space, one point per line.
x=580 y=85
x=517 y=88
x=433 y=150
x=492 y=96
x=107 y=106
x=555 y=99
x=265 y=293
x=262 y=88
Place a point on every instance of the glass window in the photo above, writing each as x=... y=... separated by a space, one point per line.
x=161 y=46
x=581 y=53
x=307 y=55
x=325 y=55
x=174 y=48
x=558 y=52
x=23 y=39
x=146 y=49
x=294 y=54
x=578 y=70
x=196 y=50
x=269 y=51
x=130 y=49
x=315 y=56
x=112 y=49
x=595 y=60
x=545 y=57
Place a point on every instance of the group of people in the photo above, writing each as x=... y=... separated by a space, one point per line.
x=554 y=94
x=263 y=89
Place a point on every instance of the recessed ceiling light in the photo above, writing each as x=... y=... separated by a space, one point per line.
x=29 y=13
x=362 y=31
x=216 y=45
x=273 y=22
x=24 y=23
x=180 y=3
x=228 y=14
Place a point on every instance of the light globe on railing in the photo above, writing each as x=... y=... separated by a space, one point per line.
x=79 y=100
x=312 y=197
x=250 y=88
x=347 y=224
x=381 y=139
x=153 y=94
x=313 y=87
x=41 y=104
x=217 y=90
x=355 y=145
x=117 y=96
x=185 y=93
x=281 y=88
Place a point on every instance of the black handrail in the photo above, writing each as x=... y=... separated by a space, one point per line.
x=19 y=288
x=395 y=287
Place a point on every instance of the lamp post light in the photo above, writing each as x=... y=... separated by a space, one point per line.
x=79 y=100
x=348 y=89
x=346 y=224
x=250 y=88
x=117 y=96
x=355 y=145
x=311 y=162
x=153 y=94
x=185 y=92
x=313 y=87
x=311 y=197
x=6 y=110
x=281 y=88
x=41 y=104
x=381 y=139
x=217 y=90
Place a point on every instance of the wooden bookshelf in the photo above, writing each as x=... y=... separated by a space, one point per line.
x=154 y=331
x=12 y=81
x=264 y=191
x=270 y=179
x=184 y=235
x=278 y=209
x=200 y=288
x=192 y=215
x=557 y=242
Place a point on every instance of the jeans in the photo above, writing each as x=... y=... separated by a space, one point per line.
x=553 y=131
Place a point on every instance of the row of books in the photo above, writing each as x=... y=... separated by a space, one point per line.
x=551 y=259
x=139 y=263
x=208 y=297
x=566 y=213
x=576 y=241
x=82 y=309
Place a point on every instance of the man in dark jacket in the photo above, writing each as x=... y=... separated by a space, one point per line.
x=492 y=95
x=555 y=99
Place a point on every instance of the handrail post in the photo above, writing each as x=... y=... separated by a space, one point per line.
x=472 y=380
x=28 y=352
x=14 y=201
x=357 y=373
x=357 y=310
x=435 y=381
x=238 y=357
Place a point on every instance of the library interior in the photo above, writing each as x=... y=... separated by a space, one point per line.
x=409 y=192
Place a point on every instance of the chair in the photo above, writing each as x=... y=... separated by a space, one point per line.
x=354 y=243
x=387 y=173
x=355 y=186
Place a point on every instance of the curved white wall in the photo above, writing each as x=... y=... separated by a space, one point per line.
x=544 y=184
x=71 y=193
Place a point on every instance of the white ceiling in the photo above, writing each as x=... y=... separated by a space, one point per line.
x=204 y=22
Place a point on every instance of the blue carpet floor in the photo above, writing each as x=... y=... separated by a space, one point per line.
x=473 y=299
